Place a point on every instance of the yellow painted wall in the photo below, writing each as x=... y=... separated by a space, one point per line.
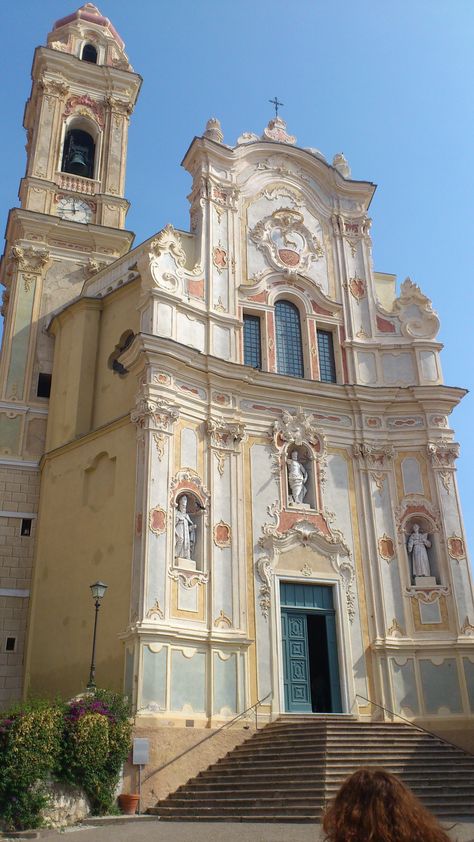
x=114 y=394
x=84 y=533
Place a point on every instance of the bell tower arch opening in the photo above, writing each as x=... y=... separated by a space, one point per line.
x=78 y=155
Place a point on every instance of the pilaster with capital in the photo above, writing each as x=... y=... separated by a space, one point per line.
x=154 y=419
x=224 y=439
x=44 y=117
x=25 y=271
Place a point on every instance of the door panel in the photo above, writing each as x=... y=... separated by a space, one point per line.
x=296 y=662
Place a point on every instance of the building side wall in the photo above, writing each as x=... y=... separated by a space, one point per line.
x=19 y=490
x=84 y=534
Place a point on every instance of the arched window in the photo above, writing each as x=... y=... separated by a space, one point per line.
x=78 y=153
x=288 y=339
x=89 y=53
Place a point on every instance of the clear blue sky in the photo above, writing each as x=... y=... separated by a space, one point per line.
x=388 y=83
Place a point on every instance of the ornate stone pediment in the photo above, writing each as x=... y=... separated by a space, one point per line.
x=415 y=311
x=305 y=534
x=286 y=242
x=169 y=241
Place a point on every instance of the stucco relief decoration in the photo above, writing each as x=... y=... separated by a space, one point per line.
x=85 y=105
x=298 y=429
x=286 y=242
x=276 y=130
x=222 y=534
x=357 y=288
x=54 y=88
x=428 y=595
x=31 y=262
x=157 y=520
x=188 y=579
x=467 y=628
x=456 y=547
x=168 y=241
x=386 y=548
x=351 y=230
x=219 y=258
x=154 y=414
x=442 y=455
x=377 y=458
x=224 y=438
x=304 y=533
x=415 y=311
x=413 y=507
x=222 y=621
x=395 y=630
x=189 y=480
x=155 y=612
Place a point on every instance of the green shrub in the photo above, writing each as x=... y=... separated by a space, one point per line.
x=84 y=743
x=30 y=746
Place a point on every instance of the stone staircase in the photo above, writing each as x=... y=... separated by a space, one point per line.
x=289 y=770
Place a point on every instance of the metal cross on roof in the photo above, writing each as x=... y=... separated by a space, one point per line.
x=276 y=103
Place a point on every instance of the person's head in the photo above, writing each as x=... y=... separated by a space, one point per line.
x=183 y=503
x=294 y=455
x=374 y=805
x=416 y=527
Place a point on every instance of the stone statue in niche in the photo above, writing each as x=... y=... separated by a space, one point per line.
x=184 y=530
x=297 y=479
x=416 y=545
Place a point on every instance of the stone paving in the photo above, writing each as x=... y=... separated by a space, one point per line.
x=153 y=830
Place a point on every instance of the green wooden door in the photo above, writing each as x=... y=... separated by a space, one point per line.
x=296 y=679
x=299 y=601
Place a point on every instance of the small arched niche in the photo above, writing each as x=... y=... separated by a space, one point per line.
x=188 y=532
x=89 y=53
x=79 y=150
x=300 y=476
x=416 y=547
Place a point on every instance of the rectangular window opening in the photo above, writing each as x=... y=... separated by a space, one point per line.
x=327 y=365
x=252 y=341
x=44 y=385
x=26 y=527
x=10 y=644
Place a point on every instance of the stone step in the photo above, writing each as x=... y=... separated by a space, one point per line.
x=290 y=769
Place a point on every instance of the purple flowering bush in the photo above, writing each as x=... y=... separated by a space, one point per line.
x=83 y=742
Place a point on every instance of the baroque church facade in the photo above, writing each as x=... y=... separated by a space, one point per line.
x=242 y=429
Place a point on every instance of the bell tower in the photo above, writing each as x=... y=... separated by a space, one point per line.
x=70 y=223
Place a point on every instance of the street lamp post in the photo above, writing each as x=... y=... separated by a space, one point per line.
x=98 y=590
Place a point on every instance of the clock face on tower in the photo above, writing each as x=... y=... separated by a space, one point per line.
x=74 y=210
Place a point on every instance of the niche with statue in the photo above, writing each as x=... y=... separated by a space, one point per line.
x=188 y=532
x=422 y=546
x=301 y=482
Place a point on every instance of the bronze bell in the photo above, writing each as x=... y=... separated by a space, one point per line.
x=79 y=160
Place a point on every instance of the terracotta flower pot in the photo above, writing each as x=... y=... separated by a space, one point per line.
x=128 y=803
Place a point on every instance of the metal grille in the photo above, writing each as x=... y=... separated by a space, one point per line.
x=288 y=339
x=327 y=367
x=252 y=344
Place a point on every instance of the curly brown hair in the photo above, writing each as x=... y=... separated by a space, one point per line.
x=374 y=806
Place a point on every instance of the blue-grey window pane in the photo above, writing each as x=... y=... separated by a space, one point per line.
x=288 y=339
x=252 y=342
x=327 y=367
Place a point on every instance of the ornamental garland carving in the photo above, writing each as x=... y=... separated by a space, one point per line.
x=187 y=479
x=428 y=595
x=286 y=242
x=155 y=612
x=222 y=621
x=412 y=507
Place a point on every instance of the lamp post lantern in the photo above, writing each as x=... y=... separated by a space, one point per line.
x=98 y=590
